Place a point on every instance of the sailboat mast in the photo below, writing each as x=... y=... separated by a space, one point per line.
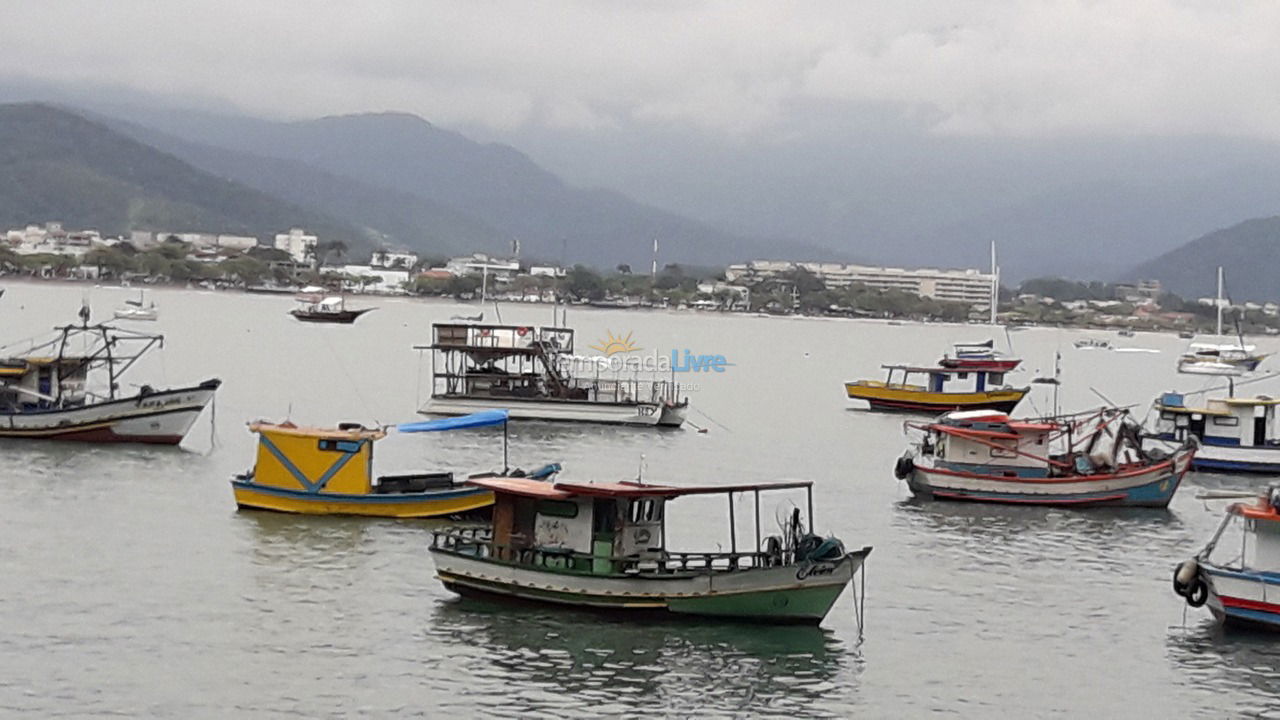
x=995 y=283
x=1219 y=302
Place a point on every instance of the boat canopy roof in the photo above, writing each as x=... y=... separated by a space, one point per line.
x=358 y=432
x=941 y=370
x=1261 y=510
x=484 y=418
x=529 y=487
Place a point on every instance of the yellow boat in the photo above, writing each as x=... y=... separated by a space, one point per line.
x=899 y=394
x=325 y=471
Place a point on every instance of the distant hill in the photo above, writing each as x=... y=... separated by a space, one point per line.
x=1248 y=252
x=435 y=190
x=57 y=165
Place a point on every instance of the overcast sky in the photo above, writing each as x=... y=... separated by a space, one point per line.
x=733 y=69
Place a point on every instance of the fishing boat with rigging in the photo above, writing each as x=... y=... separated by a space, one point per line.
x=67 y=387
x=1089 y=459
x=896 y=392
x=604 y=546
x=329 y=471
x=531 y=372
x=1237 y=573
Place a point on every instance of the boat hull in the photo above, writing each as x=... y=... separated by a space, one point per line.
x=345 y=317
x=161 y=417
x=458 y=501
x=1151 y=486
x=1213 y=457
x=907 y=400
x=1242 y=597
x=787 y=594
x=640 y=414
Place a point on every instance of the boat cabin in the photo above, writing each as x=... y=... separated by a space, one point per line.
x=938 y=378
x=329 y=461
x=1248 y=539
x=605 y=528
x=40 y=383
x=989 y=442
x=1232 y=421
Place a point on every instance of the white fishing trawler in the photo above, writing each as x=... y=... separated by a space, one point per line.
x=67 y=387
x=530 y=371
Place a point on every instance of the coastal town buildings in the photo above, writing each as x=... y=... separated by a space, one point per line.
x=969 y=286
x=394 y=259
x=498 y=269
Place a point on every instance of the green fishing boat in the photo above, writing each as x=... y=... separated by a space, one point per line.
x=603 y=546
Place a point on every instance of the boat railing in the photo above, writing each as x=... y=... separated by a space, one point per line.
x=478 y=542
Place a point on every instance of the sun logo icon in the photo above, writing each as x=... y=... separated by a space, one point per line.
x=612 y=345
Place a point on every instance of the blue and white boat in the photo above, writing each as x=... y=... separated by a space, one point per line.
x=1236 y=434
x=1237 y=574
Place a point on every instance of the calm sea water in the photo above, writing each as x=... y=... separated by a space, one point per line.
x=132 y=586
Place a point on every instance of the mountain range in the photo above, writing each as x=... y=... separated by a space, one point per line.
x=396 y=180
x=387 y=179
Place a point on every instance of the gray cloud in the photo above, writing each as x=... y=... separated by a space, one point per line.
x=746 y=69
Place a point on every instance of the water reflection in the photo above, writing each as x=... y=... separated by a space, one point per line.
x=648 y=667
x=1233 y=669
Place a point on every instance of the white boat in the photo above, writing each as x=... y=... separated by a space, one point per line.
x=1237 y=574
x=48 y=392
x=137 y=309
x=1225 y=359
x=530 y=372
x=1092 y=344
x=1236 y=434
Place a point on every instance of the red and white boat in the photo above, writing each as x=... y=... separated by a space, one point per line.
x=979 y=356
x=1090 y=459
x=1237 y=574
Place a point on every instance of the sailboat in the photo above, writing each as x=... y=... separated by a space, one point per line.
x=1230 y=359
x=138 y=309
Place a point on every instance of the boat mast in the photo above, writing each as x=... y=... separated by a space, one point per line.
x=1219 y=302
x=995 y=283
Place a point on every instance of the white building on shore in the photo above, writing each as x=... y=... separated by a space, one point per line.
x=300 y=245
x=480 y=263
x=52 y=239
x=969 y=286
x=394 y=259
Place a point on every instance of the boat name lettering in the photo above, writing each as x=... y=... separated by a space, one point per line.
x=805 y=571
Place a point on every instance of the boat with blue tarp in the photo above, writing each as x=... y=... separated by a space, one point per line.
x=329 y=471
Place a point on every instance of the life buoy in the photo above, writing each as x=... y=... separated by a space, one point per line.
x=904 y=467
x=1183 y=576
x=522 y=331
x=1198 y=593
x=484 y=332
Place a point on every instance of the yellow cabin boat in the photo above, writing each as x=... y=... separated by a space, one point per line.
x=895 y=393
x=321 y=471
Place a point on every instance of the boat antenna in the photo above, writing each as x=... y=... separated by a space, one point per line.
x=640 y=471
x=1218 y=302
x=497 y=311
x=84 y=310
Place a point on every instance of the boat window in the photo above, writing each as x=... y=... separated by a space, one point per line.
x=996 y=378
x=1228 y=421
x=635 y=510
x=342 y=446
x=1002 y=453
x=558 y=508
x=1167 y=416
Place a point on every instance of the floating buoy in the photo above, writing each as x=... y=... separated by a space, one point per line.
x=904 y=467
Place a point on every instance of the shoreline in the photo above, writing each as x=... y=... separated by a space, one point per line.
x=410 y=297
